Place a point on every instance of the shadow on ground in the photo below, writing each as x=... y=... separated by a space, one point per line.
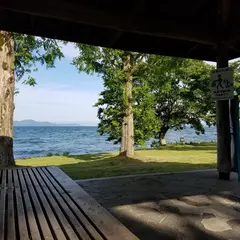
x=173 y=206
x=101 y=165
x=187 y=147
x=147 y=232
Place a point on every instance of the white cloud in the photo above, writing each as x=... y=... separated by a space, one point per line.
x=55 y=105
x=69 y=50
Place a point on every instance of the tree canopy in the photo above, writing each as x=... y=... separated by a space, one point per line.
x=167 y=92
x=121 y=98
x=30 y=50
x=182 y=93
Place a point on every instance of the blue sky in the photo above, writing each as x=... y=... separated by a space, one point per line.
x=61 y=94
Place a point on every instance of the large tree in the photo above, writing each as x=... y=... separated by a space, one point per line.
x=19 y=54
x=182 y=94
x=116 y=105
x=111 y=108
x=182 y=90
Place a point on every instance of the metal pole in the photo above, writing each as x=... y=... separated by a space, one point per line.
x=223 y=123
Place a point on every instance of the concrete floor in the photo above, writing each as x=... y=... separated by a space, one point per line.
x=194 y=205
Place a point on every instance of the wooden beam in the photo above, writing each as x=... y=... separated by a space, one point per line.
x=223 y=125
x=114 y=37
x=233 y=34
x=225 y=12
x=90 y=15
x=222 y=107
x=139 y=5
x=75 y=32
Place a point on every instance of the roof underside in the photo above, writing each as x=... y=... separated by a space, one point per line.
x=176 y=28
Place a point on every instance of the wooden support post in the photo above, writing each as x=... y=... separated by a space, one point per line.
x=223 y=123
x=235 y=138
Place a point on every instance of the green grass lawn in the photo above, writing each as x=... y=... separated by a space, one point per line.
x=174 y=158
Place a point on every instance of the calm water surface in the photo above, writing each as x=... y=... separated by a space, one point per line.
x=40 y=141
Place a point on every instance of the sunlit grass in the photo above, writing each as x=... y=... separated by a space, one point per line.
x=173 y=158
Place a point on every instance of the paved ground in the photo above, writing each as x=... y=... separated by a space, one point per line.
x=192 y=205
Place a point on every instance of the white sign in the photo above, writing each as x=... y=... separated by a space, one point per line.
x=222 y=84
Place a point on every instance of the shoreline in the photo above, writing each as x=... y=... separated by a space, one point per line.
x=169 y=145
x=172 y=158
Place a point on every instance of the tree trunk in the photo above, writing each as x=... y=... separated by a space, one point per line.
x=7 y=83
x=162 y=139
x=123 y=147
x=127 y=143
x=162 y=134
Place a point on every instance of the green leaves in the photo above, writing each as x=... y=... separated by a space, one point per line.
x=30 y=50
x=113 y=101
x=182 y=93
x=30 y=81
x=168 y=92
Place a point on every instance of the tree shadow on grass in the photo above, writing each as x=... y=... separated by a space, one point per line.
x=107 y=165
x=186 y=147
x=89 y=157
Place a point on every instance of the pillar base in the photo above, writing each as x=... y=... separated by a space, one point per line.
x=224 y=176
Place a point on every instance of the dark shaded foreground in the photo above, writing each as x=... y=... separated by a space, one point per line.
x=173 y=206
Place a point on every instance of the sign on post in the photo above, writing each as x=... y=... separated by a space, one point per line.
x=222 y=84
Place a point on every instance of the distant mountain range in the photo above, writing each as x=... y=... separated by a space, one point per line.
x=32 y=123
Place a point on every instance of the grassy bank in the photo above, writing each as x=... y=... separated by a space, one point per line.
x=173 y=158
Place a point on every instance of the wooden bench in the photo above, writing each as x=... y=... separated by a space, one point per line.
x=44 y=203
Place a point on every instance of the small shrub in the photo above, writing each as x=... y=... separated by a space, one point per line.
x=155 y=144
x=193 y=143
x=65 y=154
x=49 y=155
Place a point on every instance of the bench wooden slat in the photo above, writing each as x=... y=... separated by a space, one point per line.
x=2 y=203
x=34 y=231
x=61 y=218
x=10 y=214
x=68 y=213
x=56 y=228
x=22 y=225
x=94 y=233
x=44 y=203
x=110 y=227
x=46 y=232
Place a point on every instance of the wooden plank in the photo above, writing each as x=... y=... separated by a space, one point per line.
x=56 y=228
x=46 y=232
x=21 y=218
x=34 y=231
x=11 y=233
x=110 y=227
x=3 y=204
x=67 y=212
x=86 y=13
x=93 y=231
x=61 y=218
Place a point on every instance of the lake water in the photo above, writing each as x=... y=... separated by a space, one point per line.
x=40 y=141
